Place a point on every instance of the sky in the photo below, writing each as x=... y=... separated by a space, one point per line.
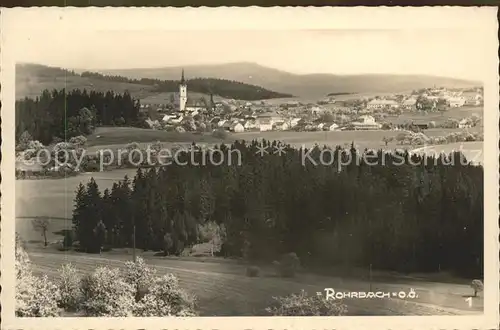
x=453 y=52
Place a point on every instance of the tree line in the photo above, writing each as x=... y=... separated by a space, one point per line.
x=61 y=114
x=222 y=87
x=394 y=215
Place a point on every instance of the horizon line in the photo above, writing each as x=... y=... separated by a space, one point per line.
x=184 y=66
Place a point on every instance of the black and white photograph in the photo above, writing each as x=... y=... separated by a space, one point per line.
x=170 y=164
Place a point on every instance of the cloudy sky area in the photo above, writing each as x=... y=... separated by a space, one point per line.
x=453 y=52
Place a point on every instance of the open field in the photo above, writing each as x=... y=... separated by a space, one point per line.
x=114 y=137
x=223 y=289
x=28 y=85
x=473 y=151
x=362 y=139
x=125 y=135
x=456 y=113
x=54 y=198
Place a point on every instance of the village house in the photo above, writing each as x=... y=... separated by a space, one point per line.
x=316 y=110
x=366 y=123
x=330 y=127
x=281 y=126
x=249 y=124
x=409 y=103
x=379 y=104
x=237 y=127
x=294 y=122
x=264 y=124
x=465 y=123
x=472 y=98
x=456 y=102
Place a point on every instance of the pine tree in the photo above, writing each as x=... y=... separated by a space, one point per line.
x=79 y=211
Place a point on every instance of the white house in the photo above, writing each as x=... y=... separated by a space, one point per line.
x=281 y=126
x=330 y=127
x=366 y=123
x=320 y=125
x=464 y=123
x=316 y=110
x=237 y=128
x=221 y=122
x=168 y=117
x=409 y=103
x=249 y=124
x=456 y=102
x=294 y=122
x=264 y=124
x=379 y=104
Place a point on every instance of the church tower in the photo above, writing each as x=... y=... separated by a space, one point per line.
x=182 y=93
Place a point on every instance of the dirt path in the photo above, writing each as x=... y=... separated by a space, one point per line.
x=223 y=289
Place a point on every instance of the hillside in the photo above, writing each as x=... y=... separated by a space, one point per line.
x=309 y=85
x=31 y=79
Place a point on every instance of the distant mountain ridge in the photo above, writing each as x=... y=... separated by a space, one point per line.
x=305 y=85
x=32 y=79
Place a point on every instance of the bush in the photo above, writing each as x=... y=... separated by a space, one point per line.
x=139 y=276
x=34 y=296
x=477 y=286
x=288 y=265
x=220 y=134
x=35 y=145
x=165 y=298
x=24 y=140
x=253 y=271
x=304 y=305
x=70 y=288
x=78 y=141
x=105 y=293
x=68 y=239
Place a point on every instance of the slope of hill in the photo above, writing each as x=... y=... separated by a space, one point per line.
x=309 y=85
x=31 y=79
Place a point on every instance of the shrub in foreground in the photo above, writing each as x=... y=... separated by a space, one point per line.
x=288 y=265
x=69 y=285
x=304 y=305
x=35 y=297
x=139 y=276
x=477 y=286
x=106 y=293
x=253 y=271
x=165 y=298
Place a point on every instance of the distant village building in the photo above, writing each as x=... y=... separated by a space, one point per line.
x=281 y=126
x=472 y=98
x=456 y=102
x=465 y=123
x=330 y=127
x=366 y=123
x=237 y=128
x=264 y=124
x=379 y=104
x=409 y=103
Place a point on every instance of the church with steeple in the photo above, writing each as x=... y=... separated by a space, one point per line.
x=189 y=105
x=182 y=93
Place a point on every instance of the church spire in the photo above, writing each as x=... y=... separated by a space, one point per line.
x=183 y=81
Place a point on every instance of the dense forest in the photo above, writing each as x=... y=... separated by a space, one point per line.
x=61 y=114
x=222 y=87
x=395 y=215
